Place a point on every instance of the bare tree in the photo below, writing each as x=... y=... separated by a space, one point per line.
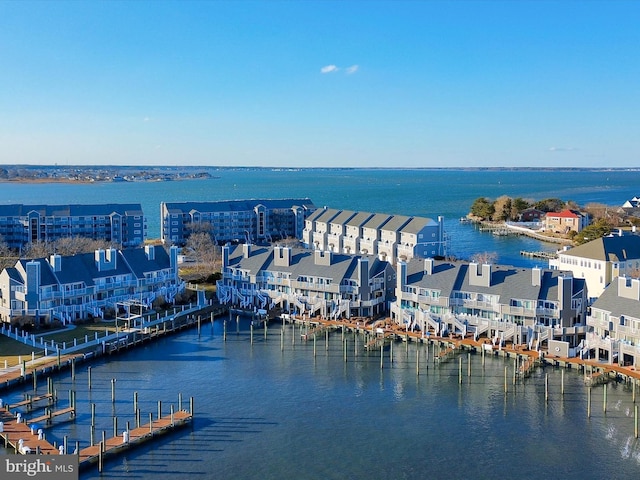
x=204 y=251
x=65 y=246
x=8 y=257
x=76 y=245
x=484 y=258
x=36 y=250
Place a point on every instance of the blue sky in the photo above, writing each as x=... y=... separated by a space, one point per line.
x=321 y=83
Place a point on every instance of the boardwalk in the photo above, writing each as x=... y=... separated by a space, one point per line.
x=22 y=438
x=144 y=433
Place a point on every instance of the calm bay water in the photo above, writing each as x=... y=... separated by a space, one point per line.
x=271 y=414
x=264 y=413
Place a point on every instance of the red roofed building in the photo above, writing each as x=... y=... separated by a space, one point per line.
x=565 y=221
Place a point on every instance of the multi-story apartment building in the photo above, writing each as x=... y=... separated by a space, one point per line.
x=601 y=260
x=235 y=220
x=119 y=224
x=393 y=237
x=67 y=288
x=615 y=319
x=308 y=282
x=526 y=306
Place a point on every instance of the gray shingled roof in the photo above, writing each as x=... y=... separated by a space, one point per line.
x=312 y=217
x=395 y=223
x=610 y=249
x=343 y=217
x=46 y=275
x=327 y=215
x=106 y=209
x=359 y=219
x=610 y=302
x=506 y=281
x=443 y=277
x=82 y=268
x=137 y=260
x=416 y=224
x=377 y=221
x=302 y=263
x=239 y=205
x=14 y=274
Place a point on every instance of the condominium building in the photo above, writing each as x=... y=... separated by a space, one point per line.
x=68 y=288
x=392 y=237
x=119 y=224
x=526 y=306
x=252 y=221
x=329 y=284
x=601 y=260
x=615 y=319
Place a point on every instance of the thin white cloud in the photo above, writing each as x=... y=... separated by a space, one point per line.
x=562 y=149
x=329 y=69
x=146 y=119
x=352 y=69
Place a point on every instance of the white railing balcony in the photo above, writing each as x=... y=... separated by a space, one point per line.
x=596 y=341
x=597 y=323
x=547 y=312
x=512 y=310
x=348 y=289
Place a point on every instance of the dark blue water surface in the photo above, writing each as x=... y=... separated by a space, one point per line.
x=265 y=413
x=275 y=410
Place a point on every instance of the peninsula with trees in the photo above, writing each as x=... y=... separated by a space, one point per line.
x=554 y=218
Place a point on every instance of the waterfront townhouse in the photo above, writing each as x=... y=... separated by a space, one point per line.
x=423 y=238
x=68 y=288
x=317 y=236
x=256 y=220
x=601 y=260
x=353 y=232
x=505 y=303
x=119 y=224
x=372 y=232
x=615 y=320
x=338 y=230
x=392 y=237
x=307 y=282
x=565 y=221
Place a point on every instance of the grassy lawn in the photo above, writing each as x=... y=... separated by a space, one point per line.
x=80 y=331
x=11 y=350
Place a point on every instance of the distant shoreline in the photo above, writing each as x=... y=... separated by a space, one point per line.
x=45 y=180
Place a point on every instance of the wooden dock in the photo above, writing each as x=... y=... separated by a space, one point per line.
x=114 y=445
x=446 y=354
x=19 y=436
x=30 y=400
x=51 y=414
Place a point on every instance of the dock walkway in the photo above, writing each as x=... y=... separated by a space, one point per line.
x=19 y=436
x=114 y=445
